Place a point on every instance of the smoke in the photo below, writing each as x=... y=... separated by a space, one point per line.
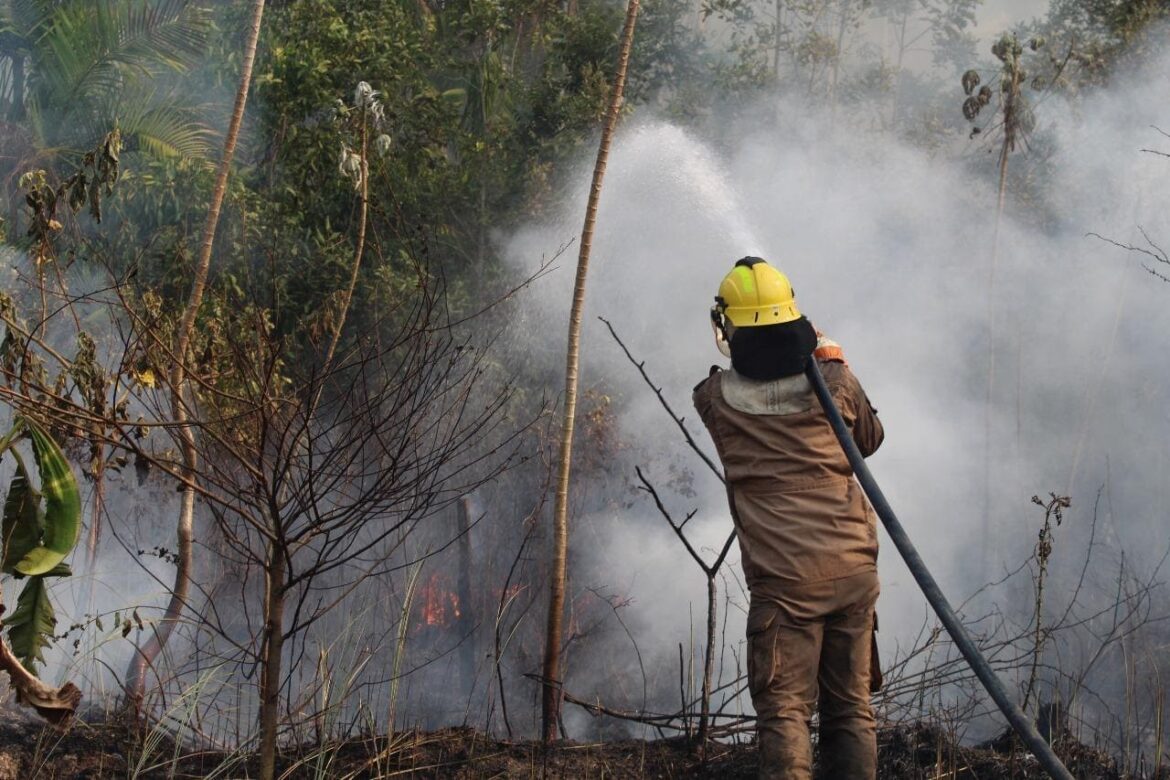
x=890 y=249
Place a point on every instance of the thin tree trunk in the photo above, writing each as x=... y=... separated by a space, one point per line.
x=180 y=394
x=359 y=250
x=551 y=704
x=95 y=527
x=897 y=93
x=16 y=110
x=363 y=211
x=776 y=44
x=468 y=605
x=271 y=659
x=708 y=667
x=1010 y=120
x=95 y=521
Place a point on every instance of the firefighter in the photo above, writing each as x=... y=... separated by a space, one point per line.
x=807 y=534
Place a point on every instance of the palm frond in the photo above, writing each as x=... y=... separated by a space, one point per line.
x=167 y=131
x=161 y=125
x=85 y=53
x=170 y=32
x=25 y=18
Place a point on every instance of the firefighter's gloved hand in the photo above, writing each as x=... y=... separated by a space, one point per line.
x=827 y=349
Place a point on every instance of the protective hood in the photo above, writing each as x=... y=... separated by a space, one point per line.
x=770 y=352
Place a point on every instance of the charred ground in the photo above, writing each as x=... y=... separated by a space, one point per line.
x=109 y=749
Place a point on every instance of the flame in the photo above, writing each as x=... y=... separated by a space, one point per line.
x=439 y=603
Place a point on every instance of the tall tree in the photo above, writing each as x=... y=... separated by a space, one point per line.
x=551 y=701
x=1016 y=121
x=181 y=396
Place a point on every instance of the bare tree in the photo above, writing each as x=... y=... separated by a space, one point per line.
x=316 y=476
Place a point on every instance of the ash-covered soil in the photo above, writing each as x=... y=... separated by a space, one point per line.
x=29 y=751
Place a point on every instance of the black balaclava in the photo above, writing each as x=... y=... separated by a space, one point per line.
x=770 y=352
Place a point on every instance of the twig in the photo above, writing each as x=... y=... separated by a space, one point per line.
x=1156 y=252
x=641 y=366
x=674 y=721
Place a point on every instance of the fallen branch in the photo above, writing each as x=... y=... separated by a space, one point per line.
x=673 y=721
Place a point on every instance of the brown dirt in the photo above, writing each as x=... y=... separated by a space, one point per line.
x=30 y=751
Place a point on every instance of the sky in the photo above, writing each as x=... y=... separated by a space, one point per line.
x=995 y=16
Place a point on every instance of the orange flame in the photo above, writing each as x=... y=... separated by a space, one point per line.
x=439 y=603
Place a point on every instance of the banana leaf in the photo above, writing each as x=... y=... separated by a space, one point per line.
x=22 y=526
x=32 y=624
x=62 y=506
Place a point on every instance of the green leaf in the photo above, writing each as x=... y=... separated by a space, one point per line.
x=62 y=506
x=454 y=96
x=32 y=624
x=22 y=521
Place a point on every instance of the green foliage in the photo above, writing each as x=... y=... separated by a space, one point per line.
x=88 y=66
x=62 y=518
x=572 y=93
x=32 y=624
x=36 y=539
x=23 y=524
x=1091 y=38
x=86 y=51
x=670 y=64
x=79 y=71
x=481 y=99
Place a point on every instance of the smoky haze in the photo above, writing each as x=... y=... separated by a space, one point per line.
x=890 y=250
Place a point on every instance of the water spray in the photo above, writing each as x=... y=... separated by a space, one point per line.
x=1020 y=723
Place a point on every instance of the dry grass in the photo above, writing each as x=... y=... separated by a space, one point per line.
x=916 y=752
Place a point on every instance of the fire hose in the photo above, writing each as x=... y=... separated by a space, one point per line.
x=1023 y=727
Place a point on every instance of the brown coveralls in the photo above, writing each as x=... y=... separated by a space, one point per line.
x=808 y=539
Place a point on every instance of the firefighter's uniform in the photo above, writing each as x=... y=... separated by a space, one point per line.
x=808 y=539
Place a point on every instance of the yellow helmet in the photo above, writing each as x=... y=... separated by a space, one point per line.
x=755 y=293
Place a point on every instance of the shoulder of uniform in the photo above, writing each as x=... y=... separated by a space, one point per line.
x=830 y=367
x=839 y=375
x=836 y=372
x=714 y=370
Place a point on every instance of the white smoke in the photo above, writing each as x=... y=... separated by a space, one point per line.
x=889 y=248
